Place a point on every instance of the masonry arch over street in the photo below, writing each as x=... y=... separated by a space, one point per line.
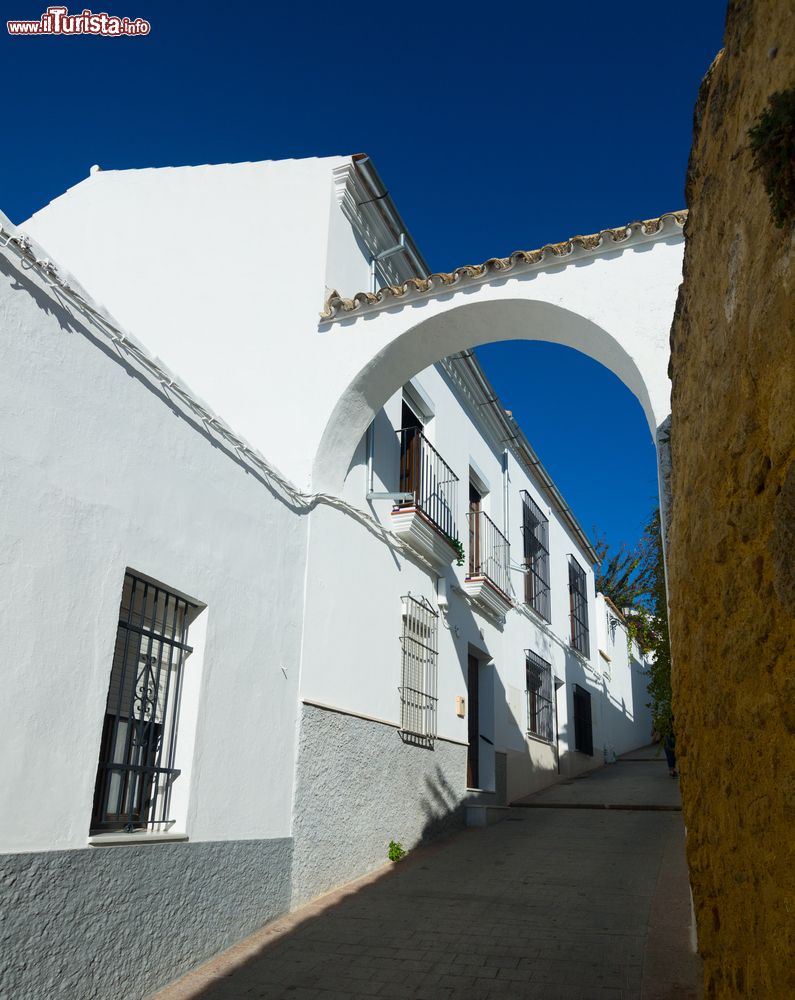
x=610 y=296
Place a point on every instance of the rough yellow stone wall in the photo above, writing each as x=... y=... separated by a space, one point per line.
x=731 y=556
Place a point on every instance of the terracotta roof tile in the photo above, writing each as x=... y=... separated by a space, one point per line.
x=575 y=245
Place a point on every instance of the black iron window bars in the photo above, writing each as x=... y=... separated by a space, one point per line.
x=420 y=654
x=139 y=735
x=578 y=606
x=535 y=537
x=540 y=707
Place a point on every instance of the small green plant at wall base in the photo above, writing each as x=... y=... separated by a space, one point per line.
x=395 y=852
x=773 y=149
x=460 y=555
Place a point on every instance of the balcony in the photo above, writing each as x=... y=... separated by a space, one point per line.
x=488 y=580
x=426 y=522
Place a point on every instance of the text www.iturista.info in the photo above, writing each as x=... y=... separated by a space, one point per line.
x=58 y=21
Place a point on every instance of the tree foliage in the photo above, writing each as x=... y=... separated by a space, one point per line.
x=624 y=575
x=634 y=580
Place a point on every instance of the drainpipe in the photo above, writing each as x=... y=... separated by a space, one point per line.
x=399 y=247
x=364 y=167
x=368 y=439
x=395 y=497
x=506 y=493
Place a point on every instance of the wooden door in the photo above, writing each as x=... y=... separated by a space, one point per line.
x=473 y=722
x=411 y=453
x=475 y=500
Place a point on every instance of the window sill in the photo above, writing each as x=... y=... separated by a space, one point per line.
x=125 y=839
x=580 y=656
x=536 y=616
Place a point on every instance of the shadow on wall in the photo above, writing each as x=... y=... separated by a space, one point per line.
x=617 y=725
x=443 y=809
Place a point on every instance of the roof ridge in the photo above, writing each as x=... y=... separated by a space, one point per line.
x=336 y=303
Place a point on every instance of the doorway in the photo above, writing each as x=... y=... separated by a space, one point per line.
x=410 y=452
x=473 y=721
x=475 y=502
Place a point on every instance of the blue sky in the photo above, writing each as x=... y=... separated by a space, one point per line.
x=495 y=127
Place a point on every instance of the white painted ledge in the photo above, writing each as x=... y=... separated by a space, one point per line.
x=125 y=839
x=488 y=597
x=425 y=538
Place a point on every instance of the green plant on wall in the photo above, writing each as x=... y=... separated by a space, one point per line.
x=460 y=555
x=773 y=149
x=395 y=851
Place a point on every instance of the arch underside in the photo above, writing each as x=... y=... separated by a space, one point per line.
x=418 y=345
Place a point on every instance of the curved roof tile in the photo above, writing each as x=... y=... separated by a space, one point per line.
x=574 y=246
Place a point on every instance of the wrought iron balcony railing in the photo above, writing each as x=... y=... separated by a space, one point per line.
x=489 y=551
x=426 y=475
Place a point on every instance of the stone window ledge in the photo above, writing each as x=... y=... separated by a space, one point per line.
x=121 y=838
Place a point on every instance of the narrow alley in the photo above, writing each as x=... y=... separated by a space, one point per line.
x=580 y=893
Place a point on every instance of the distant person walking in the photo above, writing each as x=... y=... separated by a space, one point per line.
x=669 y=746
x=668 y=743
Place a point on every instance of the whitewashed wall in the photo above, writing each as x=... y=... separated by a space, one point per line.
x=100 y=474
x=352 y=653
x=235 y=260
x=624 y=683
x=221 y=271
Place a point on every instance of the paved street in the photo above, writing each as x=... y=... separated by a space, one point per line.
x=563 y=900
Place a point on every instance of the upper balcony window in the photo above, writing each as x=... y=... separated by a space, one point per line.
x=425 y=474
x=489 y=551
x=535 y=537
x=578 y=606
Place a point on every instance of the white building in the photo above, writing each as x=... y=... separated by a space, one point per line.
x=228 y=695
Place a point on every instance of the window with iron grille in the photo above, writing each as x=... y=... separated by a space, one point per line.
x=578 y=605
x=420 y=652
x=583 y=727
x=535 y=535
x=139 y=734
x=540 y=710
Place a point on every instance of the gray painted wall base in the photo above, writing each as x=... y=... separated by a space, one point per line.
x=358 y=786
x=115 y=922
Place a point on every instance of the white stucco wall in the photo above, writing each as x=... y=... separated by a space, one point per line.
x=236 y=260
x=99 y=473
x=616 y=308
x=624 y=683
x=352 y=653
x=221 y=271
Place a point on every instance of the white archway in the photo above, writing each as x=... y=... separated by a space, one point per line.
x=614 y=305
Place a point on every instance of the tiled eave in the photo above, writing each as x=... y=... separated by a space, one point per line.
x=569 y=251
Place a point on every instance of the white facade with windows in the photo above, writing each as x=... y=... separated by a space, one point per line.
x=225 y=689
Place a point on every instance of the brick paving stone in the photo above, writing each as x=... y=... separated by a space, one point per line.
x=555 y=905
